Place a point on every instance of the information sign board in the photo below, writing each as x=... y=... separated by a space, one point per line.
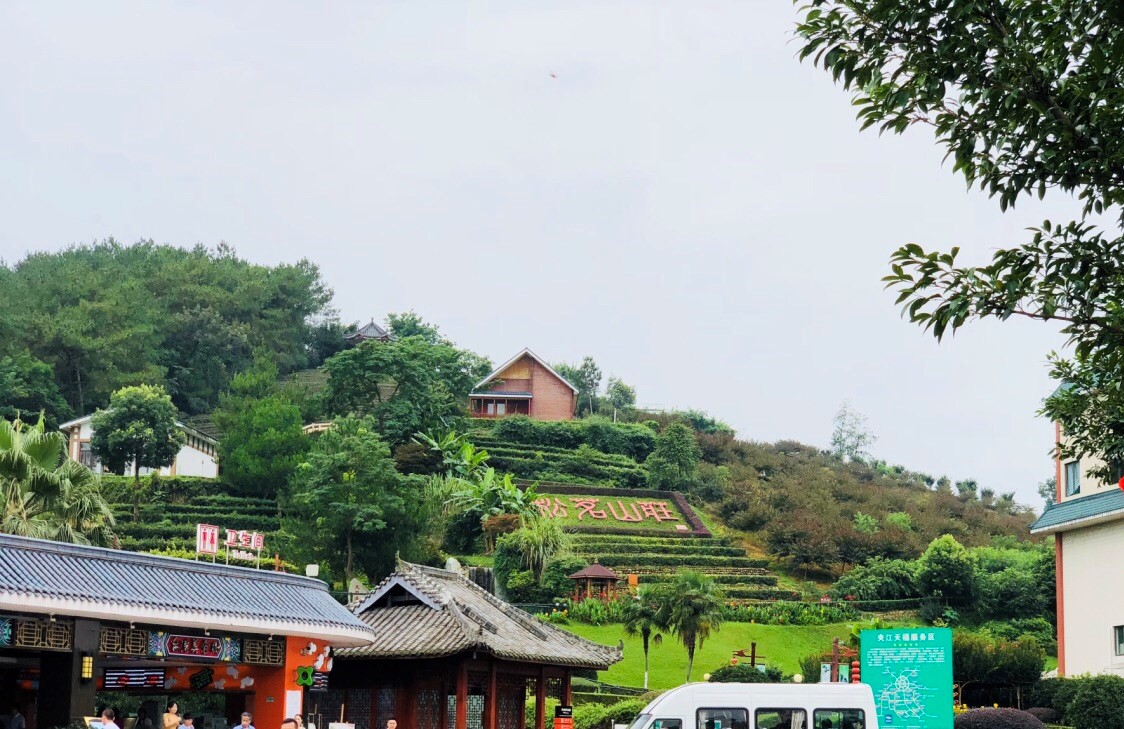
x=910 y=673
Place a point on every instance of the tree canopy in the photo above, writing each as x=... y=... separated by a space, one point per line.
x=107 y=315
x=408 y=385
x=1025 y=98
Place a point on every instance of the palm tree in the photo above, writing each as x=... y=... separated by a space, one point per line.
x=692 y=609
x=642 y=617
x=45 y=494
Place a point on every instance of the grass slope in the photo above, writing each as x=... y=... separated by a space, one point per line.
x=781 y=645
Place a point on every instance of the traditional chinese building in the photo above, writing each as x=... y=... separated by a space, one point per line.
x=450 y=655
x=524 y=385
x=370 y=330
x=79 y=620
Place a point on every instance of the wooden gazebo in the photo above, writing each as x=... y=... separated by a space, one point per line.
x=595 y=581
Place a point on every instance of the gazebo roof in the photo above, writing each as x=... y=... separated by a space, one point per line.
x=595 y=571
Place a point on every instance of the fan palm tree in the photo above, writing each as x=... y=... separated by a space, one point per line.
x=46 y=495
x=692 y=609
x=642 y=617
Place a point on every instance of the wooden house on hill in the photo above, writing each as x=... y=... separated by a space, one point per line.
x=451 y=655
x=524 y=385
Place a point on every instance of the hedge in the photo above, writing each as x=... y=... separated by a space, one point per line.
x=507 y=448
x=529 y=468
x=645 y=548
x=628 y=439
x=678 y=560
x=174 y=488
x=733 y=580
x=611 y=540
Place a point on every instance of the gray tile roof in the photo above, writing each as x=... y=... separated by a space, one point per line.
x=65 y=579
x=1080 y=511
x=449 y=614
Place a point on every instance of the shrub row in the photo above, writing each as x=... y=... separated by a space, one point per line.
x=635 y=476
x=628 y=439
x=494 y=446
x=179 y=529
x=174 y=488
x=679 y=560
x=751 y=593
x=646 y=548
x=610 y=540
x=734 y=580
x=625 y=531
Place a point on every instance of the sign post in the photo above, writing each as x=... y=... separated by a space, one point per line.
x=910 y=673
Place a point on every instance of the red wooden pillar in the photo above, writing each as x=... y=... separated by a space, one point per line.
x=540 y=700
x=462 y=697
x=567 y=689
x=491 y=717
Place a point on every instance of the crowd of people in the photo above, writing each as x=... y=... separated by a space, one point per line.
x=173 y=720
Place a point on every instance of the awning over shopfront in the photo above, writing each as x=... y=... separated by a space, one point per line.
x=50 y=578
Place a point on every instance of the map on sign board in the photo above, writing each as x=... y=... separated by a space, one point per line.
x=910 y=672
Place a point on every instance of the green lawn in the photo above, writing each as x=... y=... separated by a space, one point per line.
x=781 y=645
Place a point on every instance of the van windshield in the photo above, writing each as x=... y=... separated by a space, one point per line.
x=640 y=722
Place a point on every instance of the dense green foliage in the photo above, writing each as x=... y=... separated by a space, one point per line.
x=105 y=316
x=633 y=440
x=137 y=431
x=262 y=440
x=407 y=385
x=360 y=510
x=1025 y=98
x=27 y=387
x=980 y=659
x=673 y=463
x=745 y=673
x=45 y=494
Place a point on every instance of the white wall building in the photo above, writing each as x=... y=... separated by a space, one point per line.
x=1087 y=521
x=197 y=457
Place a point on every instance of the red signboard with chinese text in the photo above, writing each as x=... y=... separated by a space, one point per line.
x=193 y=646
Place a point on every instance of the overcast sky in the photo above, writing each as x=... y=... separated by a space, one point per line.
x=660 y=185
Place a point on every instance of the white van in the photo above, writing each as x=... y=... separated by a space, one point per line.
x=762 y=706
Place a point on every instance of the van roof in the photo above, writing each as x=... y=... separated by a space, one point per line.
x=698 y=693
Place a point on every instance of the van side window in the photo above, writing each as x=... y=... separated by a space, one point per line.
x=667 y=724
x=838 y=719
x=780 y=719
x=722 y=718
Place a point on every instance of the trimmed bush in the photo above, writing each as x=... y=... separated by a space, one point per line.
x=745 y=673
x=1097 y=702
x=597 y=716
x=998 y=719
x=1045 y=714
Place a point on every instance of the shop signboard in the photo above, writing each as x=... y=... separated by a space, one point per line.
x=174 y=645
x=910 y=672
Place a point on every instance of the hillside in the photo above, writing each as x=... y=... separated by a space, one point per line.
x=801 y=506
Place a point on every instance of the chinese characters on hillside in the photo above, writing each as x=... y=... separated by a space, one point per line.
x=553 y=507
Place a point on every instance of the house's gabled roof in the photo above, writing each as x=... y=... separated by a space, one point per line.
x=427 y=612
x=1082 y=511
x=525 y=353
x=370 y=330
x=51 y=578
x=189 y=427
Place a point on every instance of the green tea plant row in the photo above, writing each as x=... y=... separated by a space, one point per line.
x=680 y=560
x=642 y=547
x=735 y=580
x=610 y=541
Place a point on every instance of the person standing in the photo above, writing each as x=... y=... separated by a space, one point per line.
x=246 y=723
x=16 y=720
x=188 y=721
x=172 y=716
x=107 y=719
